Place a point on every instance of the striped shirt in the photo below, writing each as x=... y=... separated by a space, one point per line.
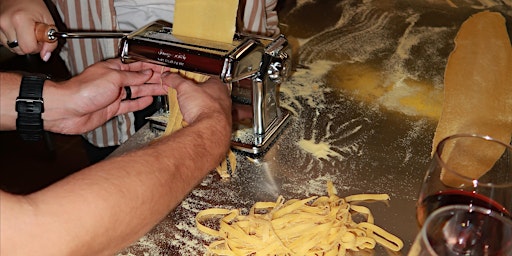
x=259 y=17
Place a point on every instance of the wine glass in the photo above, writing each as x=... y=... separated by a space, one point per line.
x=464 y=230
x=468 y=169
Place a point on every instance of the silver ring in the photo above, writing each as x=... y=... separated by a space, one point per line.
x=12 y=44
x=128 y=92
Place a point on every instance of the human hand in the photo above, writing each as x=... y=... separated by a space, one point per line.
x=196 y=101
x=91 y=98
x=18 y=20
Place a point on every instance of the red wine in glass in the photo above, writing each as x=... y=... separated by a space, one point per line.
x=470 y=232
x=451 y=197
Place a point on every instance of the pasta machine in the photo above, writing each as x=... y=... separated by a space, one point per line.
x=252 y=66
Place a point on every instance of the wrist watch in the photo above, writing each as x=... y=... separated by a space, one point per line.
x=30 y=105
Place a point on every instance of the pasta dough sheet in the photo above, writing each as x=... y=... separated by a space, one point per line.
x=312 y=226
x=477 y=94
x=206 y=19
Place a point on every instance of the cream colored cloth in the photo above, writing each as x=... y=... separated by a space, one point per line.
x=133 y=14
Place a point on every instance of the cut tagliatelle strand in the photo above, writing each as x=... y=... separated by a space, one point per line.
x=175 y=120
x=312 y=226
x=224 y=168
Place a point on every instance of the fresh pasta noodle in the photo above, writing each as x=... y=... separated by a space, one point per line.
x=318 y=225
x=224 y=168
x=198 y=78
x=175 y=121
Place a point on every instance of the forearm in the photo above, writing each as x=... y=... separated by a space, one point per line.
x=86 y=101
x=134 y=195
x=9 y=90
x=54 y=102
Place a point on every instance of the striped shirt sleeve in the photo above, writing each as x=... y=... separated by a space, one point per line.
x=260 y=17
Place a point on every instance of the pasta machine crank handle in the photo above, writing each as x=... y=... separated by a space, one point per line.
x=49 y=34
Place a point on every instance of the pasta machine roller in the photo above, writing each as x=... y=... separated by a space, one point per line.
x=252 y=66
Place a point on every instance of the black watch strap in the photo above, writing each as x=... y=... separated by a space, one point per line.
x=29 y=106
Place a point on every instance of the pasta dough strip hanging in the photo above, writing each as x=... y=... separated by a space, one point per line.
x=194 y=18
x=175 y=120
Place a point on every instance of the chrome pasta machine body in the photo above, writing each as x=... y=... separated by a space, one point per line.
x=252 y=66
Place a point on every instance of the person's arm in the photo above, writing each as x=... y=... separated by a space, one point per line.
x=108 y=206
x=87 y=100
x=18 y=20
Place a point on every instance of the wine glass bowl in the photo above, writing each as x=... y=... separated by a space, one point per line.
x=468 y=169
x=464 y=230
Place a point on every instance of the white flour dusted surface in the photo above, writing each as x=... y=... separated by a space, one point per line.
x=364 y=102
